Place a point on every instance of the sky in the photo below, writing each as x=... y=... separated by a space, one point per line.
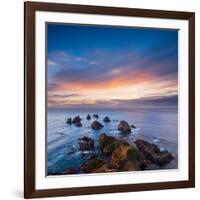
x=107 y=66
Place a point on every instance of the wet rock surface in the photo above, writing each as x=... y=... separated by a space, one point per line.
x=153 y=153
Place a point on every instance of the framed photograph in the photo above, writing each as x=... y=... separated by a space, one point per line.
x=109 y=100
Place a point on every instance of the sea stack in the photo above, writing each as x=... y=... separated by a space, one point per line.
x=96 y=125
x=124 y=127
x=106 y=119
x=88 y=117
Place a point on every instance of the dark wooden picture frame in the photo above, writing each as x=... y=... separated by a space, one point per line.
x=29 y=115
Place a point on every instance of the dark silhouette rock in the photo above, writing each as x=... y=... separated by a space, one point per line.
x=69 y=120
x=76 y=120
x=96 y=125
x=106 y=119
x=96 y=116
x=153 y=153
x=124 y=127
x=86 y=144
x=132 y=126
x=88 y=117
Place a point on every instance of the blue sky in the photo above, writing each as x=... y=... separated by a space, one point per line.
x=110 y=66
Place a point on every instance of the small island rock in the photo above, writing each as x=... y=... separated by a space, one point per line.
x=76 y=120
x=96 y=116
x=132 y=126
x=124 y=127
x=96 y=125
x=88 y=117
x=106 y=119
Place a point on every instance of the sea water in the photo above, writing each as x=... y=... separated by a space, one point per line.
x=157 y=125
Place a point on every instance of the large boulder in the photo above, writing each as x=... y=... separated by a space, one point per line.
x=153 y=153
x=96 y=125
x=69 y=120
x=106 y=119
x=108 y=143
x=124 y=127
x=88 y=117
x=126 y=157
x=86 y=144
x=76 y=120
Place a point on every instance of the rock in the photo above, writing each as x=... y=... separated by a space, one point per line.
x=88 y=117
x=76 y=120
x=79 y=124
x=126 y=157
x=153 y=153
x=106 y=119
x=124 y=127
x=95 y=116
x=132 y=126
x=69 y=120
x=91 y=165
x=86 y=144
x=96 y=125
x=108 y=143
x=71 y=171
x=123 y=156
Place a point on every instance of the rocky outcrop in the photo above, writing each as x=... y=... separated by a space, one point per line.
x=126 y=157
x=123 y=156
x=153 y=153
x=106 y=119
x=88 y=117
x=124 y=127
x=69 y=120
x=108 y=143
x=76 y=120
x=86 y=144
x=96 y=125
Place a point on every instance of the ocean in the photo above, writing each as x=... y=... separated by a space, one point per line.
x=157 y=125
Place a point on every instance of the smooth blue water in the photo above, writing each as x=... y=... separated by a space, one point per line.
x=155 y=124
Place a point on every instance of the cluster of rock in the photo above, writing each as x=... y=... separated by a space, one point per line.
x=76 y=120
x=116 y=155
x=123 y=126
